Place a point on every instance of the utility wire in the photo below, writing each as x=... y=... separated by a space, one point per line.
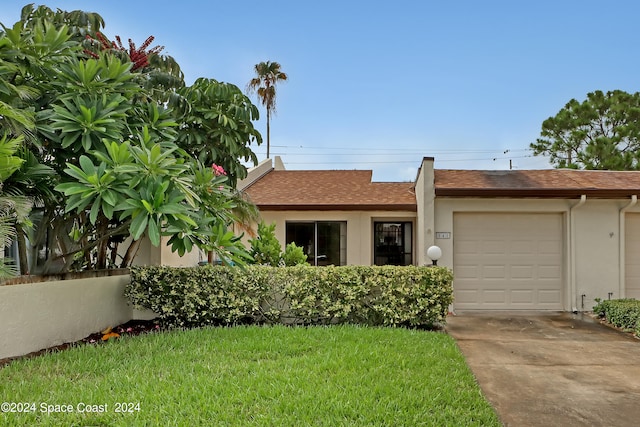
x=408 y=150
x=404 y=161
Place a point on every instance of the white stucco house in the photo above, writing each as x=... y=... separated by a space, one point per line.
x=516 y=240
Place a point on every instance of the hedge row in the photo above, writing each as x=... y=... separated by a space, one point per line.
x=623 y=313
x=388 y=295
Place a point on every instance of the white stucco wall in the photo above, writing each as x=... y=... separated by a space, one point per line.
x=172 y=259
x=597 y=251
x=34 y=316
x=162 y=255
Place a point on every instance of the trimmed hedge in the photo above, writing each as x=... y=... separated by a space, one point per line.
x=623 y=313
x=303 y=295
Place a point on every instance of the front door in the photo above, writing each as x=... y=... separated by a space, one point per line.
x=392 y=243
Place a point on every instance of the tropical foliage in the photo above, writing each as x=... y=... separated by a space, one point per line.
x=14 y=209
x=113 y=147
x=219 y=117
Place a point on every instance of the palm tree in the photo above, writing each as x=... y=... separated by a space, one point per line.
x=268 y=74
x=14 y=209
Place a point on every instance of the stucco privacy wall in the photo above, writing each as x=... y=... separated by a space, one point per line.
x=34 y=316
x=359 y=228
x=594 y=236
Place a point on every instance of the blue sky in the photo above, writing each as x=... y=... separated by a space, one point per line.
x=379 y=85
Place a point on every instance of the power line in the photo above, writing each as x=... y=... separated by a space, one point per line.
x=359 y=154
x=404 y=161
x=352 y=163
x=395 y=149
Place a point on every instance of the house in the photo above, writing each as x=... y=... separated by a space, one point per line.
x=516 y=240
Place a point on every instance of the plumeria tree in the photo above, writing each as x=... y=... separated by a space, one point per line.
x=218 y=127
x=109 y=124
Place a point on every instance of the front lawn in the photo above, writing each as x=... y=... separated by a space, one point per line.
x=250 y=376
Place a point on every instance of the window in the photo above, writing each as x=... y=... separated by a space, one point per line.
x=393 y=243
x=324 y=243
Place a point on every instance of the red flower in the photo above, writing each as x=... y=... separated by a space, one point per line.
x=139 y=56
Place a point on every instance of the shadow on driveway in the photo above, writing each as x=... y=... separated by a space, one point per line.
x=552 y=369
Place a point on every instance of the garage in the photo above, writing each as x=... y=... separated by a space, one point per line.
x=508 y=261
x=632 y=255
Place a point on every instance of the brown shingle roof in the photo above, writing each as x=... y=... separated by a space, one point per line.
x=329 y=190
x=354 y=190
x=536 y=183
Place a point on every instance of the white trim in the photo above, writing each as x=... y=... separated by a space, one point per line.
x=572 y=251
x=622 y=285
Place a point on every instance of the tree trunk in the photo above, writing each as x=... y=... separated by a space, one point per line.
x=22 y=250
x=131 y=253
x=114 y=253
x=268 y=133
x=101 y=255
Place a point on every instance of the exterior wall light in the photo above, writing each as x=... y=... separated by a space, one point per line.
x=434 y=253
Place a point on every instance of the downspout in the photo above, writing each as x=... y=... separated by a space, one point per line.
x=622 y=247
x=572 y=252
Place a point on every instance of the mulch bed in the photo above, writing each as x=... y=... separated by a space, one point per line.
x=132 y=327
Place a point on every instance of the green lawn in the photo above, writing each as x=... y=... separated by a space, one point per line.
x=251 y=376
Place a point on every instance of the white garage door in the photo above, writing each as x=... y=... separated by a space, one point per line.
x=632 y=255
x=507 y=261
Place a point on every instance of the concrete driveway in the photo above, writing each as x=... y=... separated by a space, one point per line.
x=552 y=369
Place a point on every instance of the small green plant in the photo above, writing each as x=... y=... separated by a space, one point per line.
x=293 y=255
x=265 y=248
x=623 y=313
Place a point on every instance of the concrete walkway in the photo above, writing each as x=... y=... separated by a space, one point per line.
x=556 y=369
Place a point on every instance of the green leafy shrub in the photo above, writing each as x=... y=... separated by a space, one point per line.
x=323 y=295
x=411 y=295
x=187 y=297
x=371 y=295
x=293 y=255
x=623 y=313
x=265 y=248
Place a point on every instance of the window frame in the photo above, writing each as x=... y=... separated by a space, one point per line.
x=313 y=253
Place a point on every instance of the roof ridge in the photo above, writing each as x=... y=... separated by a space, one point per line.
x=258 y=179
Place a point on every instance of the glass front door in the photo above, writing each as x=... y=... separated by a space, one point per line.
x=393 y=243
